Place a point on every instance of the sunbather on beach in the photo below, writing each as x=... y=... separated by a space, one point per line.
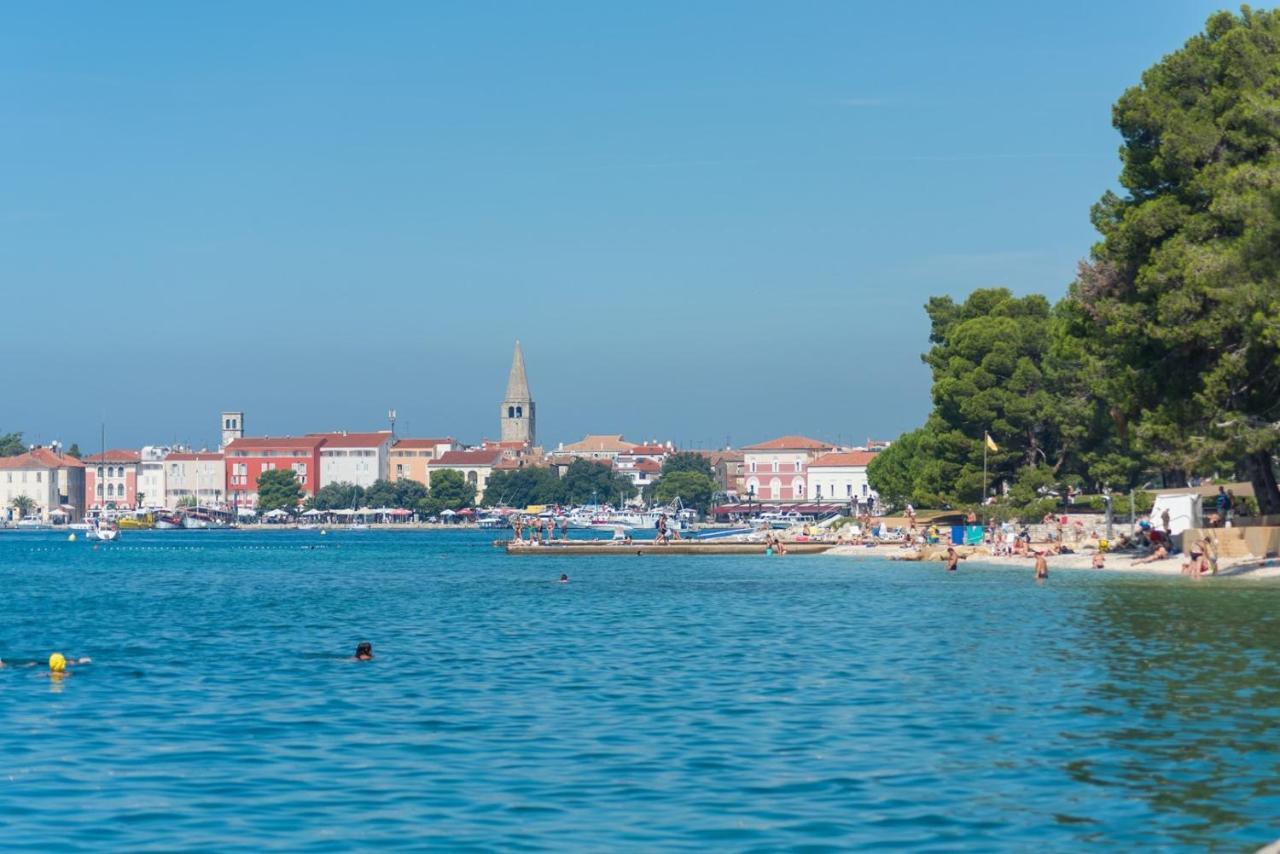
x=1159 y=554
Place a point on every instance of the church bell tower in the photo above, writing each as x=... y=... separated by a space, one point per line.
x=517 y=413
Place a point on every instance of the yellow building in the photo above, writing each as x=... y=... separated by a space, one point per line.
x=409 y=457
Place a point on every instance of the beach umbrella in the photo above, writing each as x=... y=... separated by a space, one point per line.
x=447 y=513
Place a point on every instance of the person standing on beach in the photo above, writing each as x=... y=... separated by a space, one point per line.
x=1164 y=523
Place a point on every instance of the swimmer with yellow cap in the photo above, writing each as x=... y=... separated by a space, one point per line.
x=58 y=663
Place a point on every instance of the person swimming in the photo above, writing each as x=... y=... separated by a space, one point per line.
x=364 y=651
x=564 y=579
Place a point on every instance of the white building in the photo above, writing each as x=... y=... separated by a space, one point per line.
x=53 y=482
x=151 y=480
x=840 y=477
x=643 y=464
x=359 y=458
x=201 y=476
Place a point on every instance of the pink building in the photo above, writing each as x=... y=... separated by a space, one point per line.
x=778 y=470
x=248 y=457
x=111 y=478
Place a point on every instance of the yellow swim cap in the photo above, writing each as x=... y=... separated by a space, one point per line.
x=57 y=663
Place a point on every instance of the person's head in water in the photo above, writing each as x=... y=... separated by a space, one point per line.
x=364 y=651
x=564 y=579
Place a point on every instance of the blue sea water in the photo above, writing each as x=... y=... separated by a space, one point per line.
x=730 y=702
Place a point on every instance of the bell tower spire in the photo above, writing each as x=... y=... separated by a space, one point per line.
x=517 y=411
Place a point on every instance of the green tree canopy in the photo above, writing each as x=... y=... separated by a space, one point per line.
x=586 y=480
x=11 y=444
x=449 y=491
x=694 y=489
x=687 y=461
x=1180 y=302
x=338 y=496
x=523 y=486
x=74 y=451
x=278 y=489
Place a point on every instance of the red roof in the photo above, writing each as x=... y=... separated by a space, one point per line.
x=352 y=440
x=40 y=458
x=647 y=465
x=210 y=455
x=790 y=443
x=266 y=443
x=847 y=458
x=115 y=456
x=423 y=443
x=466 y=458
x=649 y=450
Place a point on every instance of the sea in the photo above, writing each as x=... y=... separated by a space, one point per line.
x=744 y=703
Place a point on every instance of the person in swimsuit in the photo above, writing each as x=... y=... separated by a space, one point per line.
x=364 y=651
x=953 y=559
x=564 y=579
x=1099 y=562
x=1042 y=566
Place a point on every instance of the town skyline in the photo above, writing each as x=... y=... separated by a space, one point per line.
x=518 y=389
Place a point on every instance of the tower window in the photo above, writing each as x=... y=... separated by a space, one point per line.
x=519 y=412
x=511 y=412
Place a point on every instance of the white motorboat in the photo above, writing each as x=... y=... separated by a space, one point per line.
x=31 y=523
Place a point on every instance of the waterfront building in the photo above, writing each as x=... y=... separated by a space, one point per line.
x=517 y=413
x=729 y=468
x=199 y=476
x=777 y=470
x=151 y=476
x=408 y=458
x=111 y=480
x=840 y=477
x=475 y=466
x=359 y=458
x=53 y=481
x=246 y=458
x=643 y=463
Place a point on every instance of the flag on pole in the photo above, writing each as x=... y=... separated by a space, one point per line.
x=991 y=443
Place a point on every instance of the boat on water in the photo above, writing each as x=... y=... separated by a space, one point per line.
x=31 y=523
x=201 y=519
x=103 y=532
x=136 y=522
x=168 y=521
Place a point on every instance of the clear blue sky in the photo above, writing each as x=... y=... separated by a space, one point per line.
x=703 y=220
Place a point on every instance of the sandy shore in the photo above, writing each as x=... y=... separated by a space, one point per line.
x=1239 y=567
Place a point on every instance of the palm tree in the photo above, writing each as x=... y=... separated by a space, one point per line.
x=23 y=504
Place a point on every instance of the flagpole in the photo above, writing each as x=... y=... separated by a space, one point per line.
x=986 y=440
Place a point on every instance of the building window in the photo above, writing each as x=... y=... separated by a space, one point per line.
x=99 y=471
x=864 y=490
x=753 y=466
x=848 y=489
x=775 y=489
x=775 y=464
x=519 y=412
x=39 y=477
x=511 y=412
